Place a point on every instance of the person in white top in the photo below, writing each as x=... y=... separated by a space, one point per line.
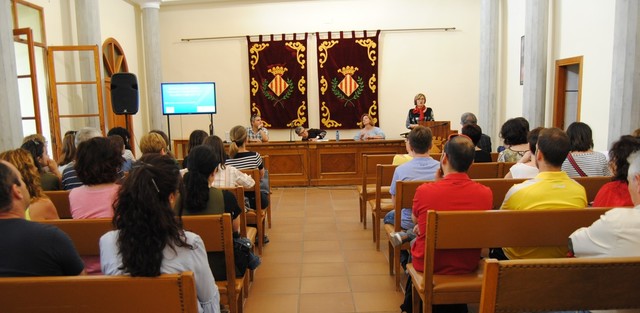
x=617 y=232
x=148 y=239
x=226 y=175
x=526 y=166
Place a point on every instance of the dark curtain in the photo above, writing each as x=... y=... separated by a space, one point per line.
x=347 y=78
x=277 y=78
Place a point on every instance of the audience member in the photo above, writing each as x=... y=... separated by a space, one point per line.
x=200 y=197
x=40 y=207
x=148 y=239
x=257 y=132
x=70 y=178
x=226 y=175
x=526 y=166
x=47 y=167
x=126 y=138
x=452 y=191
x=153 y=143
x=68 y=150
x=485 y=141
x=617 y=232
x=421 y=167
x=166 y=140
x=97 y=167
x=368 y=131
x=118 y=144
x=310 y=134
x=616 y=192
x=195 y=139
x=582 y=160
x=514 y=134
x=474 y=132
x=30 y=248
x=241 y=158
x=551 y=189
x=636 y=133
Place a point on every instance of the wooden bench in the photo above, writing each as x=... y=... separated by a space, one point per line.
x=486 y=229
x=382 y=203
x=560 y=285
x=124 y=294
x=367 y=189
x=500 y=186
x=213 y=229
x=60 y=199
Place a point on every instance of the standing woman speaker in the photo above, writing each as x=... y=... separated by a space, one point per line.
x=420 y=112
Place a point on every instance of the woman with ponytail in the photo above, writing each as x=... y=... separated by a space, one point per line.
x=241 y=158
x=201 y=199
x=148 y=240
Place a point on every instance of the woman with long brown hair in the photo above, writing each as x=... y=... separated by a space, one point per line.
x=40 y=207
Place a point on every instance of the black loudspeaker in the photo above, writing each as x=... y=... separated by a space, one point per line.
x=124 y=93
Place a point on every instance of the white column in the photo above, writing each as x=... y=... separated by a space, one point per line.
x=152 y=61
x=535 y=61
x=489 y=31
x=624 y=110
x=88 y=28
x=11 y=118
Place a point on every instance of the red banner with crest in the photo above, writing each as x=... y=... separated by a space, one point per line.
x=348 y=78
x=277 y=78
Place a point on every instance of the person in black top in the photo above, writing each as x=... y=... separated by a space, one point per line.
x=420 y=113
x=474 y=132
x=30 y=248
x=310 y=134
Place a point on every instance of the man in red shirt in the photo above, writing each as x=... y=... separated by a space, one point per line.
x=446 y=194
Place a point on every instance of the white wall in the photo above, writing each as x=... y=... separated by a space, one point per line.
x=577 y=28
x=444 y=65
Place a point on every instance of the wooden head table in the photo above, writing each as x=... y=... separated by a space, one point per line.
x=321 y=163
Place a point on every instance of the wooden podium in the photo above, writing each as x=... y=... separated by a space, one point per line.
x=440 y=131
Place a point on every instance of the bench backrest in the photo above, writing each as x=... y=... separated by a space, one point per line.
x=369 y=163
x=487 y=229
x=85 y=233
x=166 y=293
x=60 y=199
x=560 y=285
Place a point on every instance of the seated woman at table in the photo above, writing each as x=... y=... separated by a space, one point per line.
x=368 y=131
x=310 y=134
x=420 y=112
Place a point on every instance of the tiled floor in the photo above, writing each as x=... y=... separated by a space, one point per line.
x=320 y=259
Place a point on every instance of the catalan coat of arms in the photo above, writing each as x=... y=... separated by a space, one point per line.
x=349 y=88
x=279 y=88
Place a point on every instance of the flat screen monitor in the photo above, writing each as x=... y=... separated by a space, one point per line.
x=188 y=98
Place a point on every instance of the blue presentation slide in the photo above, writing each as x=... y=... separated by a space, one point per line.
x=188 y=98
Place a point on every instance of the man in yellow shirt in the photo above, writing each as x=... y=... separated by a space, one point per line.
x=551 y=189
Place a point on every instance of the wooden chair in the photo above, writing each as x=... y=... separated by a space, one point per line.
x=100 y=294
x=367 y=190
x=560 y=285
x=217 y=234
x=245 y=231
x=60 y=199
x=382 y=203
x=494 y=156
x=485 y=170
x=266 y=164
x=504 y=168
x=405 y=191
x=592 y=185
x=257 y=216
x=486 y=229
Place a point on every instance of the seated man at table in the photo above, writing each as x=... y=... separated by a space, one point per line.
x=310 y=134
x=452 y=191
x=30 y=248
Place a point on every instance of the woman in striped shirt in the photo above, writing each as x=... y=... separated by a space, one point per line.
x=241 y=158
x=582 y=160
